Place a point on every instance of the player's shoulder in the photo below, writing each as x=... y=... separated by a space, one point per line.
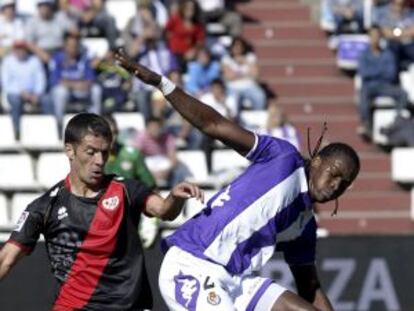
x=128 y=183
x=276 y=146
x=48 y=197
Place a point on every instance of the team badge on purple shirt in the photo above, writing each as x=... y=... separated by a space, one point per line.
x=187 y=289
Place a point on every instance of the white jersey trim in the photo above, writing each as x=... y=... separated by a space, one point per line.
x=256 y=142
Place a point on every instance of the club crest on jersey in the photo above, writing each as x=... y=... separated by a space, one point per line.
x=213 y=298
x=111 y=203
x=187 y=289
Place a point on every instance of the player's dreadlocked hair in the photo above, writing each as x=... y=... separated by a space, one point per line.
x=337 y=150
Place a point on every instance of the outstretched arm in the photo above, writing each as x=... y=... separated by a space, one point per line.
x=309 y=288
x=203 y=117
x=9 y=255
x=170 y=207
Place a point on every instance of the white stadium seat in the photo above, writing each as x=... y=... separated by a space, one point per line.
x=51 y=168
x=131 y=120
x=382 y=118
x=4 y=217
x=17 y=172
x=96 y=47
x=254 y=119
x=19 y=203
x=402 y=165
x=407 y=81
x=121 y=10
x=7 y=141
x=39 y=132
x=227 y=160
x=196 y=162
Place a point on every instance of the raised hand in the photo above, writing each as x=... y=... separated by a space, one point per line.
x=186 y=190
x=141 y=72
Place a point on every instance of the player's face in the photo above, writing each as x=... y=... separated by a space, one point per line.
x=88 y=159
x=329 y=178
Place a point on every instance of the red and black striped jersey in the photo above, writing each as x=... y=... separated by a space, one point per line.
x=92 y=243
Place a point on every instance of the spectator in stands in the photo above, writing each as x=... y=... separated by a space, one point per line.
x=159 y=149
x=223 y=12
x=378 y=8
x=378 y=71
x=140 y=27
x=11 y=27
x=240 y=71
x=348 y=16
x=187 y=135
x=68 y=11
x=397 y=24
x=157 y=56
x=126 y=161
x=225 y=104
x=219 y=98
x=115 y=83
x=185 y=32
x=24 y=81
x=96 y=22
x=73 y=78
x=45 y=31
x=201 y=72
x=278 y=125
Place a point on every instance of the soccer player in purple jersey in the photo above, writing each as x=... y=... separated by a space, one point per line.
x=90 y=221
x=210 y=261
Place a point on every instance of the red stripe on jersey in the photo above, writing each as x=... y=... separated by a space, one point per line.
x=95 y=251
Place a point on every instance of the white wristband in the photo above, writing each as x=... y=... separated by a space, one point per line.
x=166 y=86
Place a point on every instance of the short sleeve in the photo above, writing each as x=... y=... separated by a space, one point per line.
x=267 y=148
x=138 y=194
x=303 y=249
x=28 y=227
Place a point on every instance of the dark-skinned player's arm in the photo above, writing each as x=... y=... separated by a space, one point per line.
x=10 y=254
x=203 y=117
x=309 y=288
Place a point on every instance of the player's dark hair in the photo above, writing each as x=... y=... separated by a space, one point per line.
x=344 y=152
x=86 y=123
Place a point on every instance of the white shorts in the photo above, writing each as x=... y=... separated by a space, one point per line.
x=190 y=283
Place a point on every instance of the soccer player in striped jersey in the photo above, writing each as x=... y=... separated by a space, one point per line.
x=210 y=261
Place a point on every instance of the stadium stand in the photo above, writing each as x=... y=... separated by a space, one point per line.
x=17 y=172
x=402 y=165
x=7 y=141
x=129 y=121
x=121 y=10
x=296 y=64
x=4 y=215
x=19 y=202
x=195 y=161
x=48 y=177
x=39 y=132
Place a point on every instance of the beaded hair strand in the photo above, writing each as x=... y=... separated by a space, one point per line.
x=313 y=153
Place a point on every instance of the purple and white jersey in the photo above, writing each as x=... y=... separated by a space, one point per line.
x=266 y=208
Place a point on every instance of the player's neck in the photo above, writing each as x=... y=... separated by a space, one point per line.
x=81 y=189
